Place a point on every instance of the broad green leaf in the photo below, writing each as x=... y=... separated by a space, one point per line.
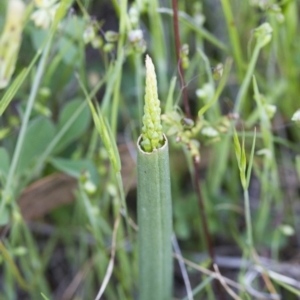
x=4 y=161
x=76 y=167
x=69 y=51
x=79 y=126
x=39 y=134
x=3 y=5
x=38 y=37
x=4 y=216
x=73 y=32
x=1 y=18
x=74 y=27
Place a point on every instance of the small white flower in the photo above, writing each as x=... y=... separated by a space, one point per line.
x=112 y=189
x=199 y=19
x=97 y=42
x=135 y=35
x=133 y=16
x=264 y=152
x=45 y=3
x=296 y=116
x=287 y=229
x=270 y=110
x=89 y=34
x=44 y=15
x=90 y=187
x=206 y=92
x=209 y=132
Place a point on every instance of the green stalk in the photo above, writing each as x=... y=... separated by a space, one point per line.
x=248 y=219
x=234 y=36
x=245 y=174
x=270 y=172
x=247 y=79
x=263 y=35
x=154 y=199
x=120 y=55
x=201 y=32
x=16 y=155
x=155 y=223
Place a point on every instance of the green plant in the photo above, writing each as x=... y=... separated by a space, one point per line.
x=154 y=200
x=71 y=101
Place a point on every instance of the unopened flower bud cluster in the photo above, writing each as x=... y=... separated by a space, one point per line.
x=152 y=129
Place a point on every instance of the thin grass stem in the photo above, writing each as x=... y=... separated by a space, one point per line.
x=21 y=136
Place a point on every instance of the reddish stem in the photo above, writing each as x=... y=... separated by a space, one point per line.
x=181 y=72
x=202 y=212
x=187 y=110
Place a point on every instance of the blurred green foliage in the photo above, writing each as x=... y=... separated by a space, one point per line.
x=97 y=53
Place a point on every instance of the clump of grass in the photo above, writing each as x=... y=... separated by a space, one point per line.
x=232 y=140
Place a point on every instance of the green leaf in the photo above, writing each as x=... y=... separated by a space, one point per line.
x=74 y=27
x=44 y=296
x=155 y=223
x=61 y=12
x=73 y=32
x=251 y=159
x=10 y=93
x=243 y=156
x=4 y=161
x=4 y=216
x=76 y=167
x=219 y=90
x=38 y=37
x=79 y=126
x=39 y=134
x=69 y=50
x=298 y=165
x=237 y=147
x=170 y=100
x=14 y=87
x=201 y=31
x=105 y=133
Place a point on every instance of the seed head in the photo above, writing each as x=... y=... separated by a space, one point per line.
x=152 y=129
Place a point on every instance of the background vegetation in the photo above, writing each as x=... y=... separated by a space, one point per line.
x=235 y=192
